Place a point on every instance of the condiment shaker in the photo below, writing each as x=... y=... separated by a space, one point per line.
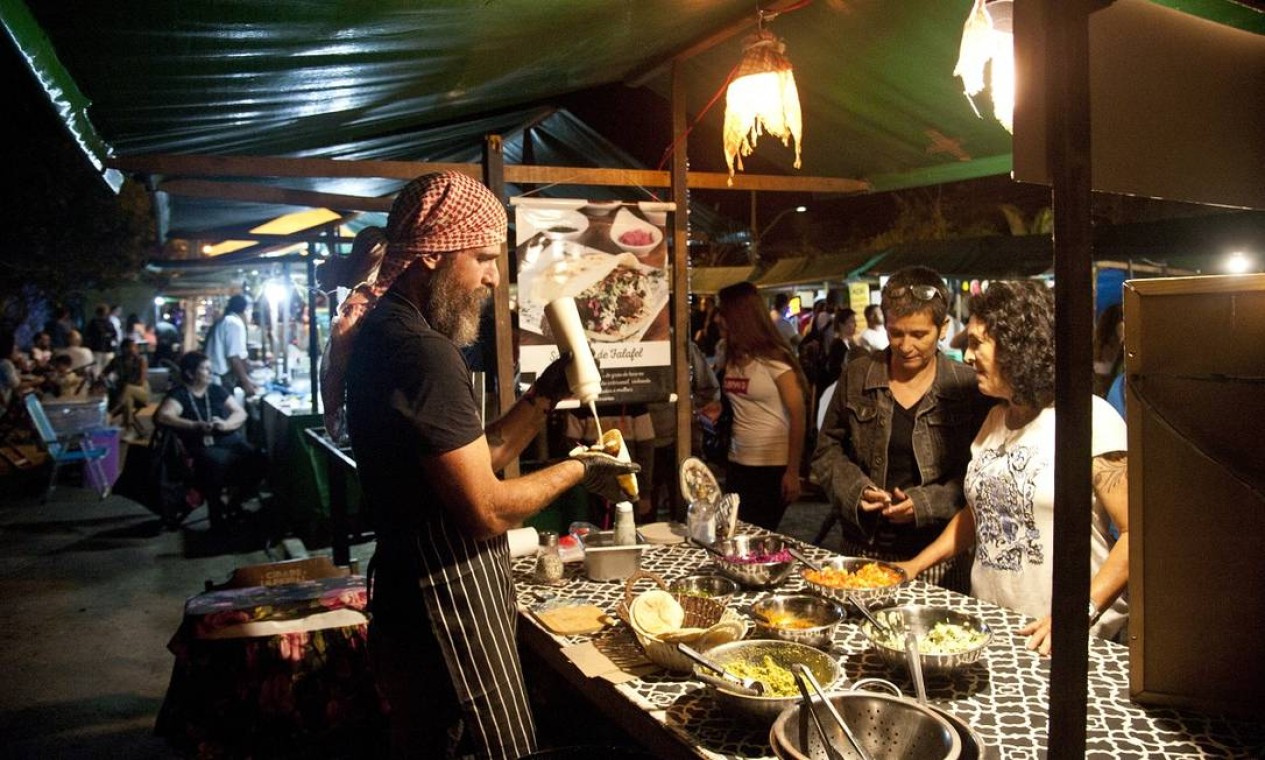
x=548 y=560
x=625 y=526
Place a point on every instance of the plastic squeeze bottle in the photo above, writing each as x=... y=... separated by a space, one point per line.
x=582 y=375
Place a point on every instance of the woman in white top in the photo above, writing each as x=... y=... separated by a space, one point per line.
x=763 y=383
x=1009 y=483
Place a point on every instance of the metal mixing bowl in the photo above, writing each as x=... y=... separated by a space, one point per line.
x=713 y=587
x=756 y=574
x=921 y=619
x=823 y=614
x=785 y=654
x=873 y=597
x=886 y=726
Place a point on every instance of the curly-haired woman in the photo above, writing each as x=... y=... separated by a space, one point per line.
x=766 y=388
x=1010 y=481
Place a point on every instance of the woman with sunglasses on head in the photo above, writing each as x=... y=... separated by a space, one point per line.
x=766 y=388
x=894 y=445
x=1009 y=485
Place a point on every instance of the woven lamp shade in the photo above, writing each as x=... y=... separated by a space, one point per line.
x=761 y=97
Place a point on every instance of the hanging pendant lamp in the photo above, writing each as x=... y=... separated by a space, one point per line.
x=988 y=38
x=761 y=97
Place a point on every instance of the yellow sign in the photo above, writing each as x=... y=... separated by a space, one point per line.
x=859 y=298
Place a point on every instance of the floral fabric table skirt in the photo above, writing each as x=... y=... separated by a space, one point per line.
x=294 y=692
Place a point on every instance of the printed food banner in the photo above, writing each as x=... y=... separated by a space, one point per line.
x=612 y=258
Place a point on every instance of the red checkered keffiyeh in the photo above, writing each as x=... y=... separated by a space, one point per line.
x=434 y=213
x=446 y=211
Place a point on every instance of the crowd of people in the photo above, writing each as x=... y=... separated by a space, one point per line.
x=942 y=466
x=111 y=360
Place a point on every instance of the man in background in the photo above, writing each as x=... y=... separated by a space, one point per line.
x=226 y=347
x=784 y=323
x=102 y=338
x=874 y=337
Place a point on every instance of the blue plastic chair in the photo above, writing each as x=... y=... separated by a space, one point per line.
x=66 y=449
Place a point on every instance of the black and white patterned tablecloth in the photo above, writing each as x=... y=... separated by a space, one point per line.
x=1003 y=696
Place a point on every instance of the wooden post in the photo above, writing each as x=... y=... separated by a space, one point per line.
x=313 y=340
x=494 y=178
x=680 y=278
x=1066 y=60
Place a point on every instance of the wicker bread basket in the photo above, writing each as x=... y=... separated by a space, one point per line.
x=716 y=623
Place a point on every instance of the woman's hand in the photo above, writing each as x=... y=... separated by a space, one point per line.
x=874 y=499
x=790 y=485
x=900 y=508
x=1039 y=634
x=910 y=568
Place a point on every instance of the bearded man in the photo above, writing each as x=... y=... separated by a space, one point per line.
x=443 y=632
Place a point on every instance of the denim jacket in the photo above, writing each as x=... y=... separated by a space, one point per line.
x=852 y=445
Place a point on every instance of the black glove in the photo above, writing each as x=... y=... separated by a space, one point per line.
x=552 y=382
x=602 y=474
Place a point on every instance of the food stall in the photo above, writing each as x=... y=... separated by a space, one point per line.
x=1002 y=696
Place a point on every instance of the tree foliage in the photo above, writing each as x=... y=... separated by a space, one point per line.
x=66 y=231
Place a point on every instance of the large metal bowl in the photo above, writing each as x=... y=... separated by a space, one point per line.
x=715 y=587
x=921 y=620
x=886 y=726
x=873 y=597
x=786 y=654
x=813 y=619
x=755 y=574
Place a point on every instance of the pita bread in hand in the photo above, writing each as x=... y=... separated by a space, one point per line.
x=613 y=443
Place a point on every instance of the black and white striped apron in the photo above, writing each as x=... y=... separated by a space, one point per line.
x=467 y=590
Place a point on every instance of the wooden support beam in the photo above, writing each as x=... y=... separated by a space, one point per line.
x=1067 y=130
x=271 y=166
x=237 y=191
x=681 y=281
x=240 y=166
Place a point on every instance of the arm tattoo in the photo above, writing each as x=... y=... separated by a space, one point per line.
x=496 y=439
x=1111 y=471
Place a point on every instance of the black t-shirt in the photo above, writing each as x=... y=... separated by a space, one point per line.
x=902 y=464
x=211 y=404
x=409 y=395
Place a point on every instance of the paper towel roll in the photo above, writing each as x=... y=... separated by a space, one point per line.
x=523 y=541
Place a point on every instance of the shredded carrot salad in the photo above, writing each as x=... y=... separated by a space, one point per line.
x=869 y=575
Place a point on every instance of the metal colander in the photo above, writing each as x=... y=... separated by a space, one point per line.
x=887 y=727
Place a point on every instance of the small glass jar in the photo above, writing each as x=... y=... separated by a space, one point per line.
x=701 y=521
x=548 y=560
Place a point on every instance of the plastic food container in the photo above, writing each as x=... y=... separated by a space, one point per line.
x=71 y=417
x=604 y=560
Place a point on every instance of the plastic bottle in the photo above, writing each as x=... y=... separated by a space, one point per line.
x=625 y=527
x=568 y=331
x=548 y=560
x=701 y=521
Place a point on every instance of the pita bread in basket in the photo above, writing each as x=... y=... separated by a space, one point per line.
x=706 y=623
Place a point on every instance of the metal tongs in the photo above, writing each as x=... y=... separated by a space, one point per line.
x=798 y=554
x=746 y=686
x=803 y=677
x=879 y=625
